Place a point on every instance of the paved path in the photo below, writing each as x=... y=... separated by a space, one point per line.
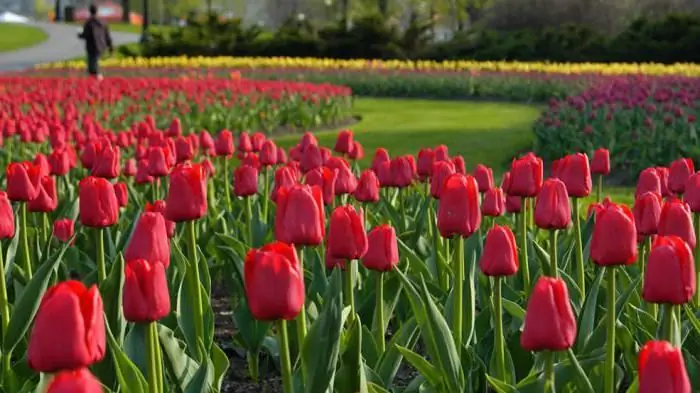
x=62 y=44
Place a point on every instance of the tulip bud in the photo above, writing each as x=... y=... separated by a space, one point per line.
x=149 y=240
x=384 y=175
x=325 y=179
x=184 y=151
x=441 y=153
x=382 y=250
x=300 y=219
x=614 y=239
x=146 y=297
x=157 y=162
x=344 y=142
x=441 y=171
x=224 y=144
x=258 y=139
x=274 y=266
x=206 y=141
x=159 y=207
x=129 y=168
x=458 y=212
x=663 y=173
x=484 y=177
x=550 y=324
x=285 y=176
x=676 y=220
x=426 y=158
x=601 y=162
x=59 y=160
x=526 y=176
x=47 y=199
x=244 y=143
x=311 y=159
x=357 y=152
x=281 y=156
x=106 y=163
x=7 y=217
x=460 y=166
x=494 y=202
x=575 y=172
x=99 y=207
x=245 y=181
x=346 y=182
x=678 y=174
x=648 y=181
x=553 y=210
x=75 y=381
x=187 y=195
x=63 y=229
x=209 y=168
x=403 y=171
x=367 y=188
x=514 y=204
x=23 y=181
x=647 y=213
x=346 y=233
x=380 y=156
x=122 y=194
x=669 y=277
x=500 y=256
x=42 y=162
x=268 y=153
x=69 y=330
x=143 y=175
x=662 y=369
x=692 y=192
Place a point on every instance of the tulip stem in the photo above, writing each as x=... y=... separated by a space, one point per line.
x=379 y=316
x=155 y=185
x=350 y=290
x=457 y=301
x=301 y=318
x=227 y=183
x=525 y=267
x=610 y=343
x=46 y=227
x=194 y=284
x=599 y=191
x=581 y=272
x=667 y=323
x=553 y=253
x=249 y=217
x=101 y=269
x=5 y=315
x=285 y=361
x=24 y=241
x=266 y=193
x=549 y=372
x=441 y=274
x=696 y=218
x=498 y=327
x=153 y=347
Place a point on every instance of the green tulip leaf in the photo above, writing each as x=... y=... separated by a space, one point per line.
x=131 y=380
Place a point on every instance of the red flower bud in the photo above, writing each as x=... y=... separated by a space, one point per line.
x=346 y=233
x=663 y=173
x=187 y=195
x=300 y=219
x=245 y=181
x=69 y=330
x=325 y=179
x=426 y=158
x=122 y=194
x=357 y=152
x=60 y=163
x=311 y=159
x=344 y=142
x=142 y=174
x=367 y=188
x=23 y=181
x=649 y=181
x=63 y=229
x=384 y=175
x=346 y=182
x=550 y=324
x=106 y=163
x=647 y=213
x=146 y=297
x=692 y=192
x=99 y=207
x=441 y=153
x=458 y=211
x=209 y=167
x=526 y=176
x=382 y=249
x=281 y=156
x=669 y=277
x=274 y=266
x=494 y=202
x=149 y=240
x=206 y=141
x=601 y=162
x=380 y=156
x=157 y=162
x=614 y=239
x=42 y=162
x=224 y=144
x=129 y=168
x=552 y=209
x=676 y=220
x=460 y=166
x=575 y=172
x=268 y=153
x=7 y=217
x=285 y=176
x=662 y=369
x=484 y=177
x=159 y=207
x=75 y=381
x=500 y=256
x=258 y=139
x=441 y=171
x=244 y=143
x=678 y=174
x=184 y=151
x=514 y=204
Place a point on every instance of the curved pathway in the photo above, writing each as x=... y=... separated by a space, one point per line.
x=62 y=44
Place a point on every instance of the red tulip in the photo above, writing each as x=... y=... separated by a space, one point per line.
x=663 y=173
x=146 y=297
x=42 y=162
x=245 y=181
x=550 y=324
x=484 y=177
x=677 y=220
x=74 y=381
x=458 y=211
x=669 y=277
x=662 y=369
x=384 y=175
x=244 y=143
x=576 y=175
x=311 y=159
x=494 y=203
x=87 y=158
x=63 y=229
x=23 y=181
x=678 y=174
x=649 y=181
x=333 y=263
x=614 y=239
x=268 y=153
x=692 y=192
x=7 y=217
x=59 y=160
x=514 y=204
x=441 y=171
x=441 y=153
x=426 y=158
x=553 y=210
x=187 y=195
x=325 y=155
x=106 y=163
x=285 y=176
x=209 y=167
x=325 y=179
x=601 y=162
x=184 y=151
x=281 y=156
x=526 y=176
x=69 y=330
x=460 y=166
x=149 y=240
x=159 y=207
x=367 y=188
x=357 y=152
x=224 y=144
x=382 y=250
x=142 y=174
x=300 y=219
x=47 y=199
x=647 y=213
x=380 y=156
x=274 y=266
x=129 y=168
x=206 y=141
x=99 y=207
x=346 y=182
x=500 y=256
x=258 y=139
x=157 y=162
x=175 y=129
x=346 y=233
x=122 y=194
x=344 y=142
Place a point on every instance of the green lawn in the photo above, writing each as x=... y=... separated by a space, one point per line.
x=15 y=36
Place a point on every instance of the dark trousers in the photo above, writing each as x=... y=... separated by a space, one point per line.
x=93 y=63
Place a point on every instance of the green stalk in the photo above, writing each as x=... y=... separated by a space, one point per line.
x=581 y=273
x=156 y=189
x=285 y=361
x=549 y=386
x=599 y=192
x=379 y=313
x=266 y=193
x=457 y=300
x=524 y=266
x=159 y=359
x=349 y=289
x=498 y=326
x=610 y=343
x=151 y=357
x=249 y=217
x=442 y=275
x=301 y=318
x=24 y=241
x=101 y=269
x=227 y=183
x=553 y=253
x=253 y=366
x=194 y=284
x=696 y=218
x=667 y=323
x=4 y=315
x=46 y=227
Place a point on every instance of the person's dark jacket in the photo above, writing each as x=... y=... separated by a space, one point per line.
x=96 y=36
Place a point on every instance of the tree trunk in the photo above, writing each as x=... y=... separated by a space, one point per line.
x=58 y=12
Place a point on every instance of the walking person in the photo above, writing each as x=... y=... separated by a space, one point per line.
x=97 y=40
